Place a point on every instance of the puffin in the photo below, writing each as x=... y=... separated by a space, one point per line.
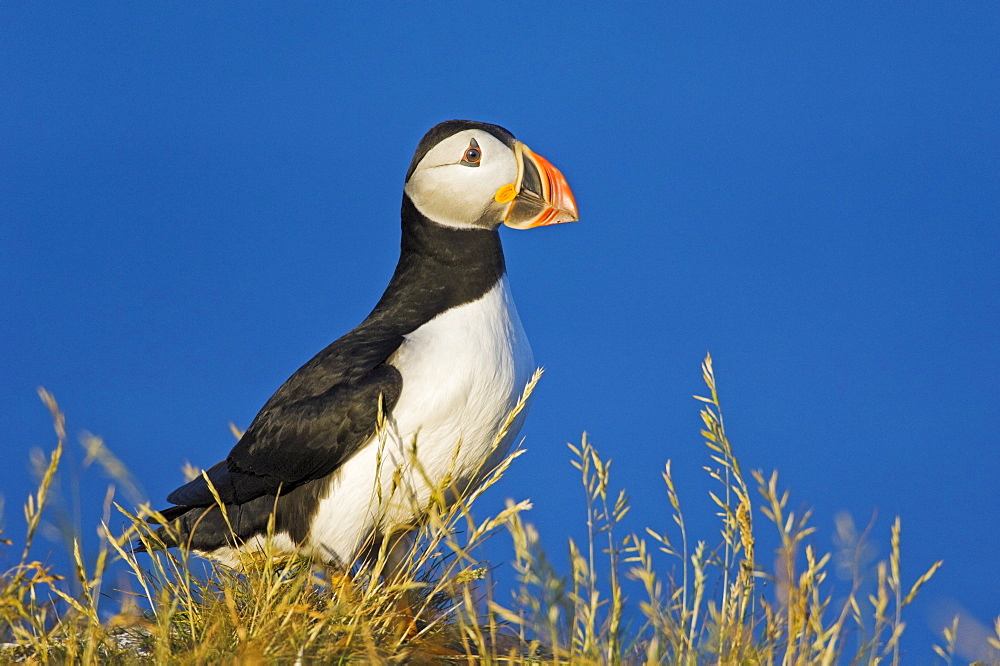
x=344 y=458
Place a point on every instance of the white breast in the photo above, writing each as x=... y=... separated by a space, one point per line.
x=463 y=373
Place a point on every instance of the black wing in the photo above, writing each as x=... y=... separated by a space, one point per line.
x=318 y=418
x=326 y=411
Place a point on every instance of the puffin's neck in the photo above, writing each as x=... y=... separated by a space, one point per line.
x=426 y=240
x=439 y=268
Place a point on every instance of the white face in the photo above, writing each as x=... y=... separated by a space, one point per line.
x=448 y=189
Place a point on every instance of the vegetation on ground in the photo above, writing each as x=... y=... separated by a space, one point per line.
x=617 y=603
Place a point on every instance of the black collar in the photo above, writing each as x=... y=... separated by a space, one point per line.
x=439 y=268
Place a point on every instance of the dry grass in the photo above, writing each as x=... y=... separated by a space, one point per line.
x=717 y=605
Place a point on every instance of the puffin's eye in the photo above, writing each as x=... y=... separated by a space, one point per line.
x=472 y=154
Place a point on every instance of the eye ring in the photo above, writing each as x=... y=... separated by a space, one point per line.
x=472 y=155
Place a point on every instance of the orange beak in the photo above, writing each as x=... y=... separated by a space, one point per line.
x=543 y=195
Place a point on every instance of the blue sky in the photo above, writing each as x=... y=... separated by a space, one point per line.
x=194 y=200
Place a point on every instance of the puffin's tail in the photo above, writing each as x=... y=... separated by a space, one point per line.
x=169 y=514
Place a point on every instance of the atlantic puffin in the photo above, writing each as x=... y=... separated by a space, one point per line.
x=442 y=356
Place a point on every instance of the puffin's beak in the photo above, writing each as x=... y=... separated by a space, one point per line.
x=541 y=194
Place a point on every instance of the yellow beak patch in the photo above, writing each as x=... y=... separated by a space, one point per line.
x=505 y=194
